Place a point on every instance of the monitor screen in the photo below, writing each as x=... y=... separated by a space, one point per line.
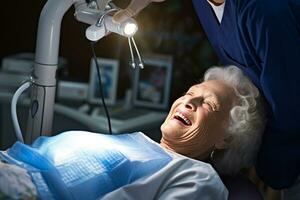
x=109 y=79
x=152 y=84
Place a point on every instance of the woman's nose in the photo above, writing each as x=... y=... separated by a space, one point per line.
x=190 y=104
x=193 y=102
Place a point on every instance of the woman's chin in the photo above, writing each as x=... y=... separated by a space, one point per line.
x=173 y=126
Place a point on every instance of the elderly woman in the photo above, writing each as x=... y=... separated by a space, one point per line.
x=219 y=121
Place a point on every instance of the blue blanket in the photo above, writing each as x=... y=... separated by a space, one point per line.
x=84 y=165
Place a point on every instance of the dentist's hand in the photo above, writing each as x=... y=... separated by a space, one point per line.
x=132 y=9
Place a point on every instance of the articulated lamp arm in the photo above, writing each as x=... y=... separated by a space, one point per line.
x=43 y=78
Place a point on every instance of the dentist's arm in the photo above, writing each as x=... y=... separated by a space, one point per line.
x=132 y=9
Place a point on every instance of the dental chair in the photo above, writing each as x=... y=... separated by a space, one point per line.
x=241 y=188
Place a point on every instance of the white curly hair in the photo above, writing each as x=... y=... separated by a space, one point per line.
x=246 y=124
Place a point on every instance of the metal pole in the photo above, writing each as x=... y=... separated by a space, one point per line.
x=43 y=77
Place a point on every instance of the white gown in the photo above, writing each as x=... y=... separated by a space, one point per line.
x=183 y=178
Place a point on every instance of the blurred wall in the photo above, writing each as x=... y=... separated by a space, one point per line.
x=19 y=20
x=170 y=27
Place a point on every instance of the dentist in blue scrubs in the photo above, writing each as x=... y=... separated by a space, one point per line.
x=261 y=37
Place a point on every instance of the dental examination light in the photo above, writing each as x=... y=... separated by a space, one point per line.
x=43 y=77
x=105 y=25
x=128 y=28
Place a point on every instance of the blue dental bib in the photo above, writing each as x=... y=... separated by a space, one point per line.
x=84 y=165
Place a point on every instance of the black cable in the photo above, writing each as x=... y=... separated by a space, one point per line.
x=101 y=87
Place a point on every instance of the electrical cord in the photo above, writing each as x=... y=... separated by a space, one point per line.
x=101 y=87
x=14 y=116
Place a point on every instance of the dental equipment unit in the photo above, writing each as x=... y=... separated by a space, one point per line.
x=43 y=79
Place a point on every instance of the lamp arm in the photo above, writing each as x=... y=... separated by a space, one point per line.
x=43 y=77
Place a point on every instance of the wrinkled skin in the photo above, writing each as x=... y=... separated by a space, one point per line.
x=132 y=9
x=196 y=122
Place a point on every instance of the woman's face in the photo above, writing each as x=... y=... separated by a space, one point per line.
x=196 y=122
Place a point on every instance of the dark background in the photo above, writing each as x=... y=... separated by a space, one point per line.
x=170 y=27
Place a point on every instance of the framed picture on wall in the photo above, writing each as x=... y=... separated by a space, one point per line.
x=109 y=69
x=153 y=83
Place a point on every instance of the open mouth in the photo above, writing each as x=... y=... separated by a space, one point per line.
x=183 y=119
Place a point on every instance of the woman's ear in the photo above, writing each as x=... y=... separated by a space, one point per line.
x=223 y=143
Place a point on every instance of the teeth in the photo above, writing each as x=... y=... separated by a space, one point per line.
x=187 y=121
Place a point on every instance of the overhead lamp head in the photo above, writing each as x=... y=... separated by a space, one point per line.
x=129 y=28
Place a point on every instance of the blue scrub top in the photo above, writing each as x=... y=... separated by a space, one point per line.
x=262 y=37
